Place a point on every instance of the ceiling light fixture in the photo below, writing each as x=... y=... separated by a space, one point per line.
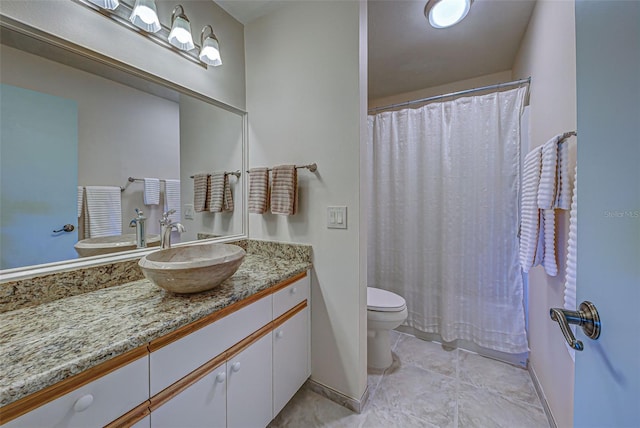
x=445 y=13
x=180 y=35
x=210 y=51
x=145 y=16
x=106 y=4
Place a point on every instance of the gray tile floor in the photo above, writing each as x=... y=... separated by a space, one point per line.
x=428 y=386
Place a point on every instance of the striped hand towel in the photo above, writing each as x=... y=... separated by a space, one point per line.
x=227 y=200
x=284 y=190
x=151 y=193
x=80 y=198
x=216 y=192
x=572 y=258
x=104 y=211
x=530 y=218
x=172 y=198
x=258 y=190
x=200 y=192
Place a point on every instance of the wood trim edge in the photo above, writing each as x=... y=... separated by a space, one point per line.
x=249 y=340
x=289 y=314
x=132 y=417
x=33 y=401
x=187 y=329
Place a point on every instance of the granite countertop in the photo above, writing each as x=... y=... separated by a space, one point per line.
x=45 y=344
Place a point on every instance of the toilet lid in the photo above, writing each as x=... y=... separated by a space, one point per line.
x=384 y=301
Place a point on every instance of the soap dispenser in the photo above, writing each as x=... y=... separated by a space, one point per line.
x=139 y=224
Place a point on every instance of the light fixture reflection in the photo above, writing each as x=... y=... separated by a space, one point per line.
x=145 y=16
x=210 y=50
x=180 y=35
x=445 y=13
x=106 y=4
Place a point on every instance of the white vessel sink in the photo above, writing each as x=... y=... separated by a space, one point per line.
x=192 y=268
x=111 y=244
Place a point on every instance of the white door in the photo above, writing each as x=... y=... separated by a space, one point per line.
x=39 y=177
x=607 y=377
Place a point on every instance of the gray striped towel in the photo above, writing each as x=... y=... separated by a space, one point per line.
x=200 y=192
x=227 y=202
x=216 y=192
x=258 y=190
x=284 y=190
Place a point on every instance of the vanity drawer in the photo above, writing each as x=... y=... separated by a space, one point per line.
x=289 y=296
x=96 y=403
x=172 y=362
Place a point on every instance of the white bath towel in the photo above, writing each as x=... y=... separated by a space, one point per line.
x=216 y=192
x=200 y=192
x=530 y=218
x=258 y=190
x=103 y=214
x=572 y=252
x=284 y=190
x=172 y=198
x=151 y=193
x=549 y=260
x=563 y=197
x=548 y=175
x=80 y=199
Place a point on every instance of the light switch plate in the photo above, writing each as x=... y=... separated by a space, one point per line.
x=337 y=217
x=189 y=212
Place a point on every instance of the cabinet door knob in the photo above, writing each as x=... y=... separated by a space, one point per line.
x=235 y=366
x=221 y=377
x=293 y=290
x=279 y=334
x=83 y=403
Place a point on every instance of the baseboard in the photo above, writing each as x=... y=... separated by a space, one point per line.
x=338 y=397
x=543 y=399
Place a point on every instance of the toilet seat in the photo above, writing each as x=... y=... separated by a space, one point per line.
x=384 y=301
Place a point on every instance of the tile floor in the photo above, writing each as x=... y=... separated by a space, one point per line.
x=428 y=386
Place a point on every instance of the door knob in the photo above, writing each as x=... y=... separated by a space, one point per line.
x=65 y=228
x=587 y=317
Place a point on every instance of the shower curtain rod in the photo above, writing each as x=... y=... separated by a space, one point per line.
x=452 y=94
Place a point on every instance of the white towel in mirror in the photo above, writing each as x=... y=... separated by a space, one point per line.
x=151 y=191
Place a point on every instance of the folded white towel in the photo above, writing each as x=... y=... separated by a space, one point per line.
x=572 y=258
x=80 y=198
x=104 y=211
x=151 y=193
x=563 y=197
x=284 y=190
x=548 y=176
x=530 y=218
x=258 y=190
x=549 y=259
x=216 y=192
x=200 y=192
x=172 y=198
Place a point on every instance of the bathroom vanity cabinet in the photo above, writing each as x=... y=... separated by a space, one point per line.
x=236 y=367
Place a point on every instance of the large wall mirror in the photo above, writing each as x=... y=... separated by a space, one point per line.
x=73 y=120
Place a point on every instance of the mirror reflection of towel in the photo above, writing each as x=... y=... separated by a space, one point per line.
x=102 y=211
x=172 y=198
x=200 y=192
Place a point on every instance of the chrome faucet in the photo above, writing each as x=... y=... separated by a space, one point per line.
x=139 y=224
x=166 y=226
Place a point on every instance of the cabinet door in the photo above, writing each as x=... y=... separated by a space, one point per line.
x=249 y=383
x=290 y=358
x=202 y=404
x=96 y=403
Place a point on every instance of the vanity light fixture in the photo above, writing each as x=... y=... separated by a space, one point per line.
x=145 y=16
x=106 y=4
x=445 y=13
x=180 y=35
x=210 y=51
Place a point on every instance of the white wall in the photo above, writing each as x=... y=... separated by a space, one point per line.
x=122 y=131
x=461 y=85
x=210 y=141
x=306 y=95
x=80 y=25
x=548 y=55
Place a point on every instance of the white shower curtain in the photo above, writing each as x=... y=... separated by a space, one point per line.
x=443 y=217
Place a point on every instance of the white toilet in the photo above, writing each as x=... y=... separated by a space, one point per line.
x=385 y=311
